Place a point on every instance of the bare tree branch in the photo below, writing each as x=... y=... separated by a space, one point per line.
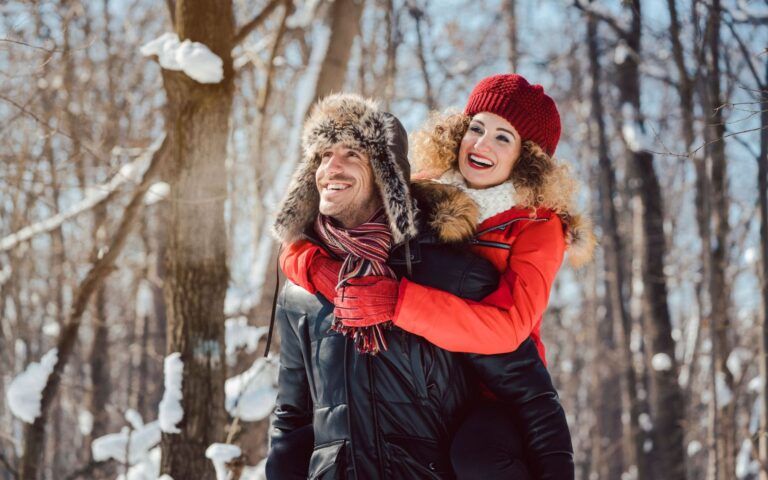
x=246 y=29
x=8 y=466
x=171 y=4
x=614 y=23
x=104 y=193
x=46 y=126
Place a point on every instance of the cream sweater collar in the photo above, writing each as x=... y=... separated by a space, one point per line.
x=490 y=201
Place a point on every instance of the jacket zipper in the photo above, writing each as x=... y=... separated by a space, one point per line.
x=349 y=408
x=371 y=385
x=504 y=225
x=485 y=243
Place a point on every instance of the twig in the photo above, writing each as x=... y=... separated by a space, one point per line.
x=611 y=21
x=8 y=466
x=45 y=125
x=246 y=29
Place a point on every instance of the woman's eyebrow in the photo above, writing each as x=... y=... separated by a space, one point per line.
x=509 y=132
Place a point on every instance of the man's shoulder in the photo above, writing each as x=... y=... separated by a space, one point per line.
x=293 y=298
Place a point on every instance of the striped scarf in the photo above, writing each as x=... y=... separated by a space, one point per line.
x=365 y=250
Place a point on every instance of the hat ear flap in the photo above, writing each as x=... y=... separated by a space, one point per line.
x=393 y=185
x=300 y=205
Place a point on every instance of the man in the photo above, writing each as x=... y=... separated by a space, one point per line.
x=389 y=415
x=373 y=401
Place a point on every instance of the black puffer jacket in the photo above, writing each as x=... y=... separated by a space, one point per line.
x=386 y=416
x=393 y=415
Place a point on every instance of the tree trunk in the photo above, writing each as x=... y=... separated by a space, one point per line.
x=762 y=186
x=615 y=275
x=197 y=275
x=98 y=359
x=392 y=41
x=509 y=11
x=345 y=25
x=666 y=396
x=719 y=291
x=667 y=407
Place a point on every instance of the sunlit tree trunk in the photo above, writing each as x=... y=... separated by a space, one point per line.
x=196 y=259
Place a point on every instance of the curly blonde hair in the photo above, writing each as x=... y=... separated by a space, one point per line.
x=539 y=180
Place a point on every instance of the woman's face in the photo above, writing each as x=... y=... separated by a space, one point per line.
x=488 y=151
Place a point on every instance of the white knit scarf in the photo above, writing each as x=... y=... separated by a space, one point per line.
x=491 y=201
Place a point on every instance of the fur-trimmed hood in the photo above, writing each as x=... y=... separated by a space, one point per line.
x=357 y=123
x=453 y=216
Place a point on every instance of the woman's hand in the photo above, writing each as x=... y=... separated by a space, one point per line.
x=366 y=301
x=309 y=266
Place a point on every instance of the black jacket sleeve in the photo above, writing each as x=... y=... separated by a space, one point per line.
x=520 y=380
x=293 y=407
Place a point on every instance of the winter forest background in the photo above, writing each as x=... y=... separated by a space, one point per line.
x=135 y=203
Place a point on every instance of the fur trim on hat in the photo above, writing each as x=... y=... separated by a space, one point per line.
x=357 y=123
x=540 y=182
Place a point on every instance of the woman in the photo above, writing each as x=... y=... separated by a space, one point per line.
x=499 y=152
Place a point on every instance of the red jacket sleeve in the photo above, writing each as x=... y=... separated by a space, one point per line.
x=295 y=260
x=504 y=319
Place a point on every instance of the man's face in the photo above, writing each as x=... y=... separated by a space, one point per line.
x=347 y=189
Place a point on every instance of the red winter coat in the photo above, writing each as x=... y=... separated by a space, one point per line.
x=528 y=251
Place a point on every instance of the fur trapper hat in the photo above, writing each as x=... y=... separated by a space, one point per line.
x=357 y=123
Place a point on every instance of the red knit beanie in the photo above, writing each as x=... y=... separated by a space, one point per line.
x=531 y=111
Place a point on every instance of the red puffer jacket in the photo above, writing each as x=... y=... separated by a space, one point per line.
x=528 y=250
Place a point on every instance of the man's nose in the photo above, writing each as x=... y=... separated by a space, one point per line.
x=334 y=164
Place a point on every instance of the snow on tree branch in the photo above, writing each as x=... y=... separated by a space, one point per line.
x=171 y=412
x=193 y=58
x=220 y=454
x=131 y=172
x=238 y=334
x=118 y=446
x=5 y=274
x=26 y=390
x=251 y=395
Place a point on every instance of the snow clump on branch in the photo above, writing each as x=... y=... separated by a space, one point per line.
x=171 y=411
x=193 y=58
x=26 y=390
x=220 y=454
x=252 y=394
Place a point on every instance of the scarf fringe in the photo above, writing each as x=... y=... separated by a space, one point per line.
x=368 y=340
